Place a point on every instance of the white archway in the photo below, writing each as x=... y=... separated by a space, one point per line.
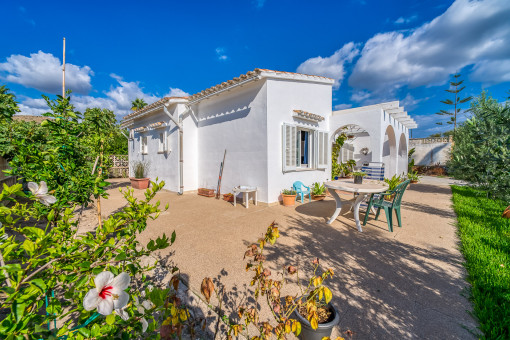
x=359 y=142
x=402 y=155
x=389 y=152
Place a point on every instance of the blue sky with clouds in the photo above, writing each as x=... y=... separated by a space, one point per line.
x=375 y=50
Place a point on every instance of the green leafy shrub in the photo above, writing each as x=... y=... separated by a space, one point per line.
x=288 y=192
x=91 y=282
x=481 y=152
x=318 y=189
x=413 y=176
x=140 y=169
x=393 y=182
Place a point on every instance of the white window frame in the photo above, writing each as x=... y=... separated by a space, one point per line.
x=318 y=152
x=144 y=147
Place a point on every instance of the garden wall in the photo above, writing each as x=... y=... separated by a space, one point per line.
x=431 y=151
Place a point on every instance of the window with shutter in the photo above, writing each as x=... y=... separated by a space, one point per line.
x=140 y=140
x=289 y=145
x=322 y=152
x=161 y=144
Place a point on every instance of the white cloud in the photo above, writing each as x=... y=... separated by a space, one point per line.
x=220 y=53
x=175 y=92
x=468 y=33
x=410 y=103
x=118 y=99
x=403 y=20
x=342 y=106
x=43 y=71
x=360 y=96
x=491 y=71
x=332 y=66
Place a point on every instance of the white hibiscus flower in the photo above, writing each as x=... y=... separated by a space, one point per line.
x=109 y=293
x=41 y=192
x=146 y=304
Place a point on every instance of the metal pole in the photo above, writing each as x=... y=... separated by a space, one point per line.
x=64 y=71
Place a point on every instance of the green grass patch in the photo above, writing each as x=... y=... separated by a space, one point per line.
x=485 y=243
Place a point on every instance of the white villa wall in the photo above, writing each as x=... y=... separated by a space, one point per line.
x=282 y=98
x=190 y=150
x=431 y=151
x=162 y=165
x=382 y=147
x=236 y=121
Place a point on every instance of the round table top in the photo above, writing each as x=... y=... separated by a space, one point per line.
x=347 y=184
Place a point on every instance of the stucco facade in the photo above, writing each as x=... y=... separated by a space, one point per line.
x=277 y=128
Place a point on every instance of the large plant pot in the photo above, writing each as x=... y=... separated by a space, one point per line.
x=289 y=200
x=324 y=329
x=140 y=183
x=318 y=197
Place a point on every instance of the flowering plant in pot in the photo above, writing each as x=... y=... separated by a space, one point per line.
x=289 y=197
x=318 y=191
x=140 y=170
x=358 y=177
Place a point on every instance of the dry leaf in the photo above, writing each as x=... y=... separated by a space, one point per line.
x=207 y=288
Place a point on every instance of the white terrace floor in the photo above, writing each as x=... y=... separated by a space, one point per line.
x=408 y=284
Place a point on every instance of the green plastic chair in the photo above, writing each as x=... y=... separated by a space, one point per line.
x=377 y=201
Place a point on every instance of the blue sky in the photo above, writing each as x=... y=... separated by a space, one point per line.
x=375 y=50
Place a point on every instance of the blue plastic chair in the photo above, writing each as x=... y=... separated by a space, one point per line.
x=302 y=190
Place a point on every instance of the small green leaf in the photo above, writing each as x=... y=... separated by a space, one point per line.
x=172 y=239
x=18 y=308
x=110 y=319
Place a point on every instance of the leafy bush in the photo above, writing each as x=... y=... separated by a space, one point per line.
x=394 y=181
x=413 y=176
x=318 y=189
x=140 y=169
x=85 y=280
x=481 y=153
x=289 y=192
x=485 y=237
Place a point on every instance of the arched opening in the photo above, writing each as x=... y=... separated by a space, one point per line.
x=357 y=147
x=389 y=154
x=402 y=155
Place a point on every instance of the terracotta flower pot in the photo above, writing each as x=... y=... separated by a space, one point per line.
x=140 y=183
x=318 y=197
x=228 y=197
x=289 y=200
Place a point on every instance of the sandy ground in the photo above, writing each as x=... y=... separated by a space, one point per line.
x=409 y=284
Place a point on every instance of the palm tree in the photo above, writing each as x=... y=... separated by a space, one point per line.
x=137 y=104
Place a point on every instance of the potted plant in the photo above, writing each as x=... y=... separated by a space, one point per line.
x=228 y=197
x=393 y=183
x=289 y=197
x=358 y=177
x=318 y=191
x=140 y=170
x=328 y=318
x=347 y=168
x=413 y=176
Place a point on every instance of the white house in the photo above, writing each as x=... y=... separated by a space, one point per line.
x=277 y=128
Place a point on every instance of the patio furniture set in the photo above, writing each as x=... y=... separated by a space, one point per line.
x=376 y=191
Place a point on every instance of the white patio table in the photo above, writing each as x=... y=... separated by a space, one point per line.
x=245 y=190
x=366 y=188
